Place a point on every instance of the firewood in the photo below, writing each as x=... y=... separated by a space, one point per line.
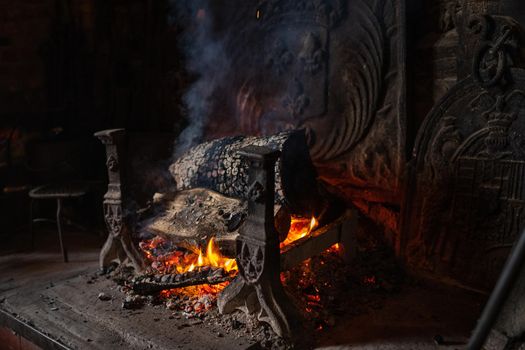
x=217 y=165
x=192 y=217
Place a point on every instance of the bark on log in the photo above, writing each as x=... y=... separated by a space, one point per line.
x=216 y=165
x=194 y=216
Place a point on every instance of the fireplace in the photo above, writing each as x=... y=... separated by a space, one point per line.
x=322 y=97
x=229 y=250
x=332 y=168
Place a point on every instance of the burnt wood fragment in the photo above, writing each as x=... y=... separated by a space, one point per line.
x=342 y=231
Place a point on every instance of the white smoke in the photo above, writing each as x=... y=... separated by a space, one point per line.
x=206 y=58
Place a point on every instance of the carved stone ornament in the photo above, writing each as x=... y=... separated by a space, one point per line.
x=469 y=205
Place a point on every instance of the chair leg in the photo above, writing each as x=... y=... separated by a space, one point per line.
x=31 y=229
x=59 y=225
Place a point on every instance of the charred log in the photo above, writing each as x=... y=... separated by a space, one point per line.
x=216 y=165
x=194 y=216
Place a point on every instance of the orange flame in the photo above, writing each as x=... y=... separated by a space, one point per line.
x=189 y=259
x=299 y=228
x=179 y=262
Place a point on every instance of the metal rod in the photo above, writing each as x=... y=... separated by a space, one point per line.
x=499 y=295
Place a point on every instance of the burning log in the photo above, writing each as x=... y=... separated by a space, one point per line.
x=192 y=217
x=217 y=165
x=151 y=284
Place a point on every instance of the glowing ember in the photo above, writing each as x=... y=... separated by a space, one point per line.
x=165 y=257
x=299 y=228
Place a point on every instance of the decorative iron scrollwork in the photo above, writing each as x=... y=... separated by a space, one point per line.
x=251 y=261
x=112 y=163
x=491 y=57
x=113 y=218
x=258 y=252
x=256 y=192
x=469 y=170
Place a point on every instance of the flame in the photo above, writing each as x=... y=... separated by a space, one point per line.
x=299 y=228
x=165 y=258
x=181 y=261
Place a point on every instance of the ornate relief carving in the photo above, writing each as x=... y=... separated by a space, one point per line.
x=280 y=58
x=112 y=163
x=470 y=170
x=258 y=252
x=363 y=76
x=251 y=260
x=296 y=101
x=119 y=243
x=311 y=55
x=113 y=218
x=256 y=192
x=334 y=69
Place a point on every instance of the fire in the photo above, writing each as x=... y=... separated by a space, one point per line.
x=165 y=259
x=299 y=228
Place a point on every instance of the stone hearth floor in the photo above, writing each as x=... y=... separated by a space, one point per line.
x=61 y=300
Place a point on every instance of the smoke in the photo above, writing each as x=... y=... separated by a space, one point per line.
x=206 y=59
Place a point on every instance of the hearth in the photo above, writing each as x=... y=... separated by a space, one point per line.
x=236 y=263
x=243 y=210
